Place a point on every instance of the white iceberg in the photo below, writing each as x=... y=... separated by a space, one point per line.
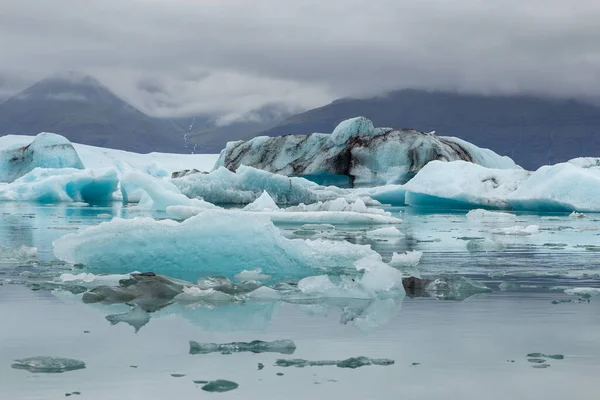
x=560 y=187
x=49 y=186
x=213 y=242
x=480 y=215
x=518 y=230
x=47 y=150
x=263 y=203
x=406 y=259
x=355 y=153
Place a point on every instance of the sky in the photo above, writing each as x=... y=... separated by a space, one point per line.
x=227 y=57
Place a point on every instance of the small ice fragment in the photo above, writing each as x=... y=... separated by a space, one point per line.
x=536 y=360
x=264 y=293
x=541 y=355
x=200 y=382
x=458 y=288
x=484 y=245
x=220 y=385
x=389 y=232
x=256 y=346
x=354 y=362
x=177 y=375
x=279 y=374
x=137 y=318
x=48 y=364
x=317 y=227
x=586 y=292
x=518 y=230
x=484 y=215
x=540 y=366
x=252 y=275
x=260 y=366
x=576 y=215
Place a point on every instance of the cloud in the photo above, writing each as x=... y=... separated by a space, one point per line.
x=230 y=56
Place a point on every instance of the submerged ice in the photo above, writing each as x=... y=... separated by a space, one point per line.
x=256 y=346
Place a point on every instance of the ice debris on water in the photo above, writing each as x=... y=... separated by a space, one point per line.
x=353 y=362
x=542 y=355
x=540 y=366
x=518 y=230
x=219 y=386
x=137 y=318
x=46 y=364
x=455 y=288
x=484 y=245
x=407 y=262
x=576 y=215
x=177 y=375
x=489 y=216
x=252 y=275
x=256 y=346
x=18 y=256
x=585 y=292
x=385 y=233
x=261 y=366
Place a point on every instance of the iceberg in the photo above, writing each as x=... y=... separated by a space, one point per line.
x=256 y=346
x=355 y=153
x=48 y=185
x=247 y=184
x=47 y=150
x=218 y=241
x=458 y=184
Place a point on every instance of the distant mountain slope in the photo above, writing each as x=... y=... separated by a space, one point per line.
x=207 y=136
x=83 y=110
x=533 y=131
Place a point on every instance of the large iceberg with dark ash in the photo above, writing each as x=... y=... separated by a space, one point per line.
x=47 y=150
x=356 y=153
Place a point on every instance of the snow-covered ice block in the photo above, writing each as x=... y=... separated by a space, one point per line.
x=62 y=185
x=461 y=184
x=365 y=155
x=47 y=150
x=480 y=215
x=215 y=242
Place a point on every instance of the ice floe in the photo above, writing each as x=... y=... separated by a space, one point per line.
x=218 y=241
x=257 y=346
x=45 y=364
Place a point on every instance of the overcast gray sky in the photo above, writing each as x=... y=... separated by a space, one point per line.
x=175 y=57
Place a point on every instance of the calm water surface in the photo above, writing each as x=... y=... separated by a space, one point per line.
x=471 y=349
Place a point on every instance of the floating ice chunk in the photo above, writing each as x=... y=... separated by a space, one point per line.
x=455 y=288
x=137 y=318
x=485 y=216
x=542 y=355
x=484 y=245
x=92 y=280
x=300 y=217
x=161 y=193
x=389 y=194
x=247 y=184
x=193 y=294
x=20 y=255
x=576 y=215
x=461 y=184
x=256 y=346
x=262 y=203
x=518 y=230
x=583 y=291
x=378 y=276
x=185 y=250
x=407 y=259
x=338 y=205
x=391 y=232
x=317 y=227
x=343 y=287
x=220 y=386
x=62 y=185
x=47 y=150
x=46 y=364
x=264 y=293
x=253 y=275
x=354 y=362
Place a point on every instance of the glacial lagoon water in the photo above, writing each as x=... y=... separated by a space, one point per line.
x=474 y=347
